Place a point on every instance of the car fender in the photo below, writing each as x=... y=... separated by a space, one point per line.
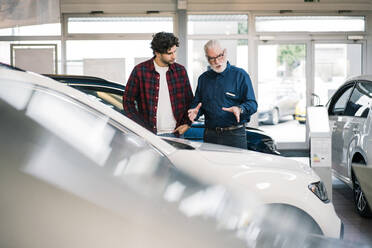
x=355 y=151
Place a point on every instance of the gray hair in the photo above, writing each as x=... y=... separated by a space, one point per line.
x=211 y=44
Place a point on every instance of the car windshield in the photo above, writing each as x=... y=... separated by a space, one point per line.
x=112 y=99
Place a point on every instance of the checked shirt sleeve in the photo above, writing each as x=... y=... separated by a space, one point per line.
x=188 y=100
x=130 y=96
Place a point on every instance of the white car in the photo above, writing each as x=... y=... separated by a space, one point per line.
x=350 y=119
x=280 y=184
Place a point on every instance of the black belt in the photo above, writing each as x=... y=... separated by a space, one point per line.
x=223 y=129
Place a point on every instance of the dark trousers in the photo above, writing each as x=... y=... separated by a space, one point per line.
x=235 y=138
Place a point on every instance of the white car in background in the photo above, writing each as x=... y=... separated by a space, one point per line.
x=290 y=191
x=350 y=120
x=276 y=101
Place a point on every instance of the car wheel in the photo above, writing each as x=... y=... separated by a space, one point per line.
x=274 y=117
x=360 y=200
x=302 y=122
x=289 y=218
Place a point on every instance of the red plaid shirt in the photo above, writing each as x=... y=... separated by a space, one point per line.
x=140 y=98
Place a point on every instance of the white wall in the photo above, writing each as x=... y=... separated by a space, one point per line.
x=368 y=66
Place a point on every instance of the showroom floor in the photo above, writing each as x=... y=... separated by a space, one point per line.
x=357 y=229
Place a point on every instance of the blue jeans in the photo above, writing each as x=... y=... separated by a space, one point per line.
x=236 y=138
x=170 y=135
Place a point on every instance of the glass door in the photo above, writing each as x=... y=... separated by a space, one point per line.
x=281 y=89
x=333 y=64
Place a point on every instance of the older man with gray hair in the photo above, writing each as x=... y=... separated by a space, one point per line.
x=226 y=98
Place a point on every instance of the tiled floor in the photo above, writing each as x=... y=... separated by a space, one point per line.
x=356 y=228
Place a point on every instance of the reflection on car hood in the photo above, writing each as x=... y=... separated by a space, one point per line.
x=221 y=155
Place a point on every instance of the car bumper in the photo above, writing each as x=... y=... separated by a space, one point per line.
x=300 y=117
x=329 y=222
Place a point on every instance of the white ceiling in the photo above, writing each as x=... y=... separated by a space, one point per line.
x=141 y=6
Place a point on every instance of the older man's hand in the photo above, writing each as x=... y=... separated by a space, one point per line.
x=235 y=110
x=194 y=112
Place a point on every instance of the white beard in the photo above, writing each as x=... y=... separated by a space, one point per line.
x=221 y=69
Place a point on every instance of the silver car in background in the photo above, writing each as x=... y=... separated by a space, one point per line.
x=350 y=120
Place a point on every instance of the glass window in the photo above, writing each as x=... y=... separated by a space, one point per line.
x=340 y=103
x=33 y=30
x=217 y=24
x=310 y=23
x=333 y=64
x=281 y=87
x=89 y=25
x=112 y=60
x=5 y=49
x=237 y=54
x=358 y=104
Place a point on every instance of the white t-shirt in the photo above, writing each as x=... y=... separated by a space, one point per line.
x=165 y=121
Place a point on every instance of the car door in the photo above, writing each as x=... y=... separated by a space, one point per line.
x=356 y=111
x=337 y=122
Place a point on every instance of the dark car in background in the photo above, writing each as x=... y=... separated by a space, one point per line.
x=111 y=94
x=257 y=140
x=105 y=91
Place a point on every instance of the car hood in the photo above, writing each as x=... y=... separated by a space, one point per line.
x=241 y=160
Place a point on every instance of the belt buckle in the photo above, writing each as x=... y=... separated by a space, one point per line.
x=219 y=129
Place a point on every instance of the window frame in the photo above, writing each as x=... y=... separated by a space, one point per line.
x=340 y=92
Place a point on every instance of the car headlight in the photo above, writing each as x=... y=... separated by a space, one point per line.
x=319 y=190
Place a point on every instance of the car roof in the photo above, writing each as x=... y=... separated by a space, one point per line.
x=10 y=67
x=85 y=80
x=367 y=77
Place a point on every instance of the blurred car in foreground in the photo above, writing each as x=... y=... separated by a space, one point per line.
x=350 y=119
x=288 y=192
x=71 y=177
x=112 y=94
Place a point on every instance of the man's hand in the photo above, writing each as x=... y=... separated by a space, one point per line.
x=194 y=112
x=181 y=129
x=235 y=110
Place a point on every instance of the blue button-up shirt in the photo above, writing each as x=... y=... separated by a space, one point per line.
x=232 y=87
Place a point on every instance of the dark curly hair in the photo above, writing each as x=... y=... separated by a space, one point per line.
x=162 y=42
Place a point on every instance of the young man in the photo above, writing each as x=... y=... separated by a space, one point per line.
x=225 y=96
x=158 y=92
